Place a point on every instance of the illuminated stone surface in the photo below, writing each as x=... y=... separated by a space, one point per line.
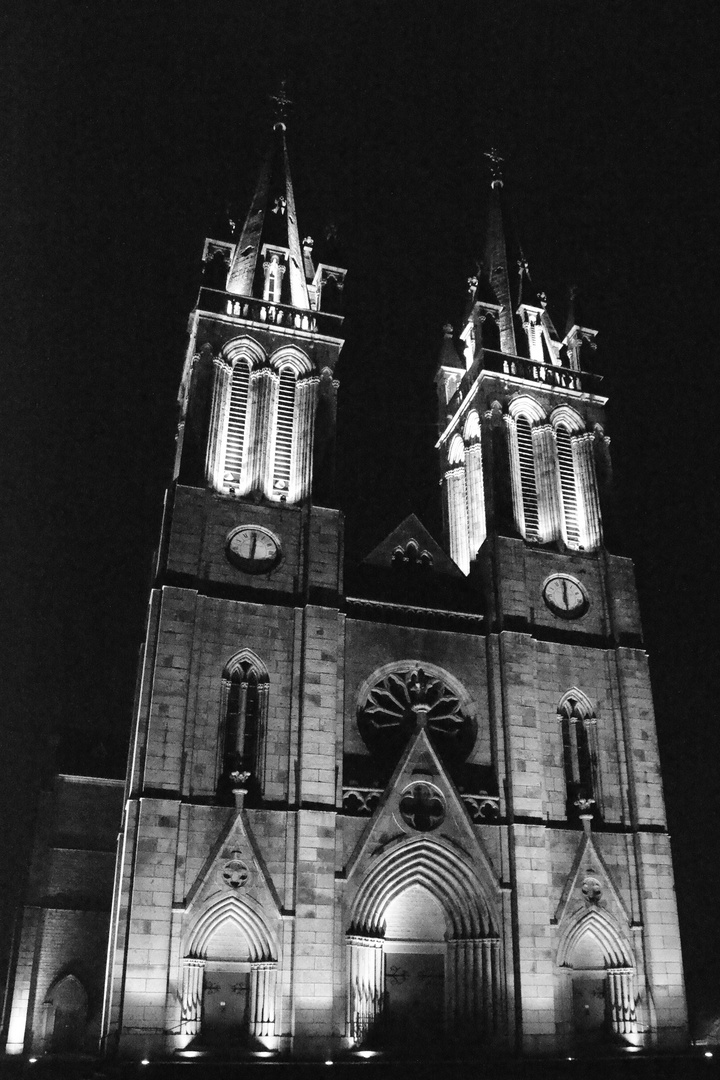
x=285 y=880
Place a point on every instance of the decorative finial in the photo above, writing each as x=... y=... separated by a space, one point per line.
x=495 y=167
x=281 y=102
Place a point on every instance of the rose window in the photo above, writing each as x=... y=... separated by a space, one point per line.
x=395 y=705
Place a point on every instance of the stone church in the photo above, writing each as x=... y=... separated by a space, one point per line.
x=405 y=806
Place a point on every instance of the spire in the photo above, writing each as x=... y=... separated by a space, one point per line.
x=271 y=227
x=496 y=257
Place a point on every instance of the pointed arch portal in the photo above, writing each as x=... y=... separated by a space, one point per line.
x=423 y=952
x=229 y=975
x=599 y=989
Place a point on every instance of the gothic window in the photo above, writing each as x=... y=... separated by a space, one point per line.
x=568 y=487
x=237 y=418
x=282 y=464
x=389 y=710
x=245 y=693
x=528 y=479
x=579 y=737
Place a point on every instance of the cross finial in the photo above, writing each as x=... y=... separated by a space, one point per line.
x=495 y=166
x=281 y=102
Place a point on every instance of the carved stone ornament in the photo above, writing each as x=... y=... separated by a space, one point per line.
x=422 y=807
x=235 y=873
x=591 y=890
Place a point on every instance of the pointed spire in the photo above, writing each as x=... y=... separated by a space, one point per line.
x=496 y=257
x=279 y=231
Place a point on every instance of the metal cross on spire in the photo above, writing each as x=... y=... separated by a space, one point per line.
x=281 y=103
x=495 y=166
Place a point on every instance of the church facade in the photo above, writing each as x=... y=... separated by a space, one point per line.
x=404 y=806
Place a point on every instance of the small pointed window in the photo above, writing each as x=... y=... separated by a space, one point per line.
x=245 y=696
x=237 y=417
x=579 y=736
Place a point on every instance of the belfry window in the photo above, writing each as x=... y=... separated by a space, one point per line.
x=528 y=481
x=579 y=737
x=282 y=464
x=568 y=487
x=245 y=707
x=237 y=419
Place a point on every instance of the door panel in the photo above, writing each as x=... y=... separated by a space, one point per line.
x=225 y=996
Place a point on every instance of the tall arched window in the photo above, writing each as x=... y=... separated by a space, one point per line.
x=282 y=461
x=237 y=417
x=579 y=736
x=568 y=487
x=528 y=479
x=245 y=697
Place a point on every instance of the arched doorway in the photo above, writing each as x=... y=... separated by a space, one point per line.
x=228 y=979
x=423 y=957
x=225 y=987
x=415 y=932
x=599 y=983
x=67 y=1015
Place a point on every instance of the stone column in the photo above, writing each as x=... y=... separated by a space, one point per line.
x=622 y=1000
x=306 y=397
x=191 y=995
x=456 y=495
x=589 y=502
x=261 y=1006
x=261 y=423
x=217 y=432
x=366 y=990
x=475 y=498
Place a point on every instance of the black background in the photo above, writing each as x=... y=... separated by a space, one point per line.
x=133 y=127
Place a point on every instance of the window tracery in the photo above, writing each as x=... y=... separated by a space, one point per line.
x=579 y=737
x=388 y=714
x=245 y=698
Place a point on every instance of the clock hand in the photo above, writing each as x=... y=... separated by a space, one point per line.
x=253 y=544
x=566 y=602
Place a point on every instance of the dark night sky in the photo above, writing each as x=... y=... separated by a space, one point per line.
x=131 y=126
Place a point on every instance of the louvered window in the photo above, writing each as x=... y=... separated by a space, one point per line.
x=284 y=431
x=528 y=481
x=234 y=446
x=568 y=487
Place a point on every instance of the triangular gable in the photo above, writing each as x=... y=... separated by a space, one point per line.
x=588 y=863
x=234 y=866
x=391 y=825
x=412 y=529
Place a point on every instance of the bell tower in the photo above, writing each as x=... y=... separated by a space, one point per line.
x=233 y=760
x=527 y=499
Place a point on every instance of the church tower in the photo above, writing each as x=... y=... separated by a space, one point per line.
x=223 y=891
x=527 y=504
x=409 y=807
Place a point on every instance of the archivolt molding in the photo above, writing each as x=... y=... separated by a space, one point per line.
x=244 y=348
x=600 y=925
x=523 y=405
x=290 y=356
x=436 y=867
x=245 y=656
x=569 y=418
x=456 y=451
x=471 y=430
x=583 y=703
x=248 y=917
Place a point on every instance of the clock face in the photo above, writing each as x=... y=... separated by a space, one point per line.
x=253 y=549
x=565 y=596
